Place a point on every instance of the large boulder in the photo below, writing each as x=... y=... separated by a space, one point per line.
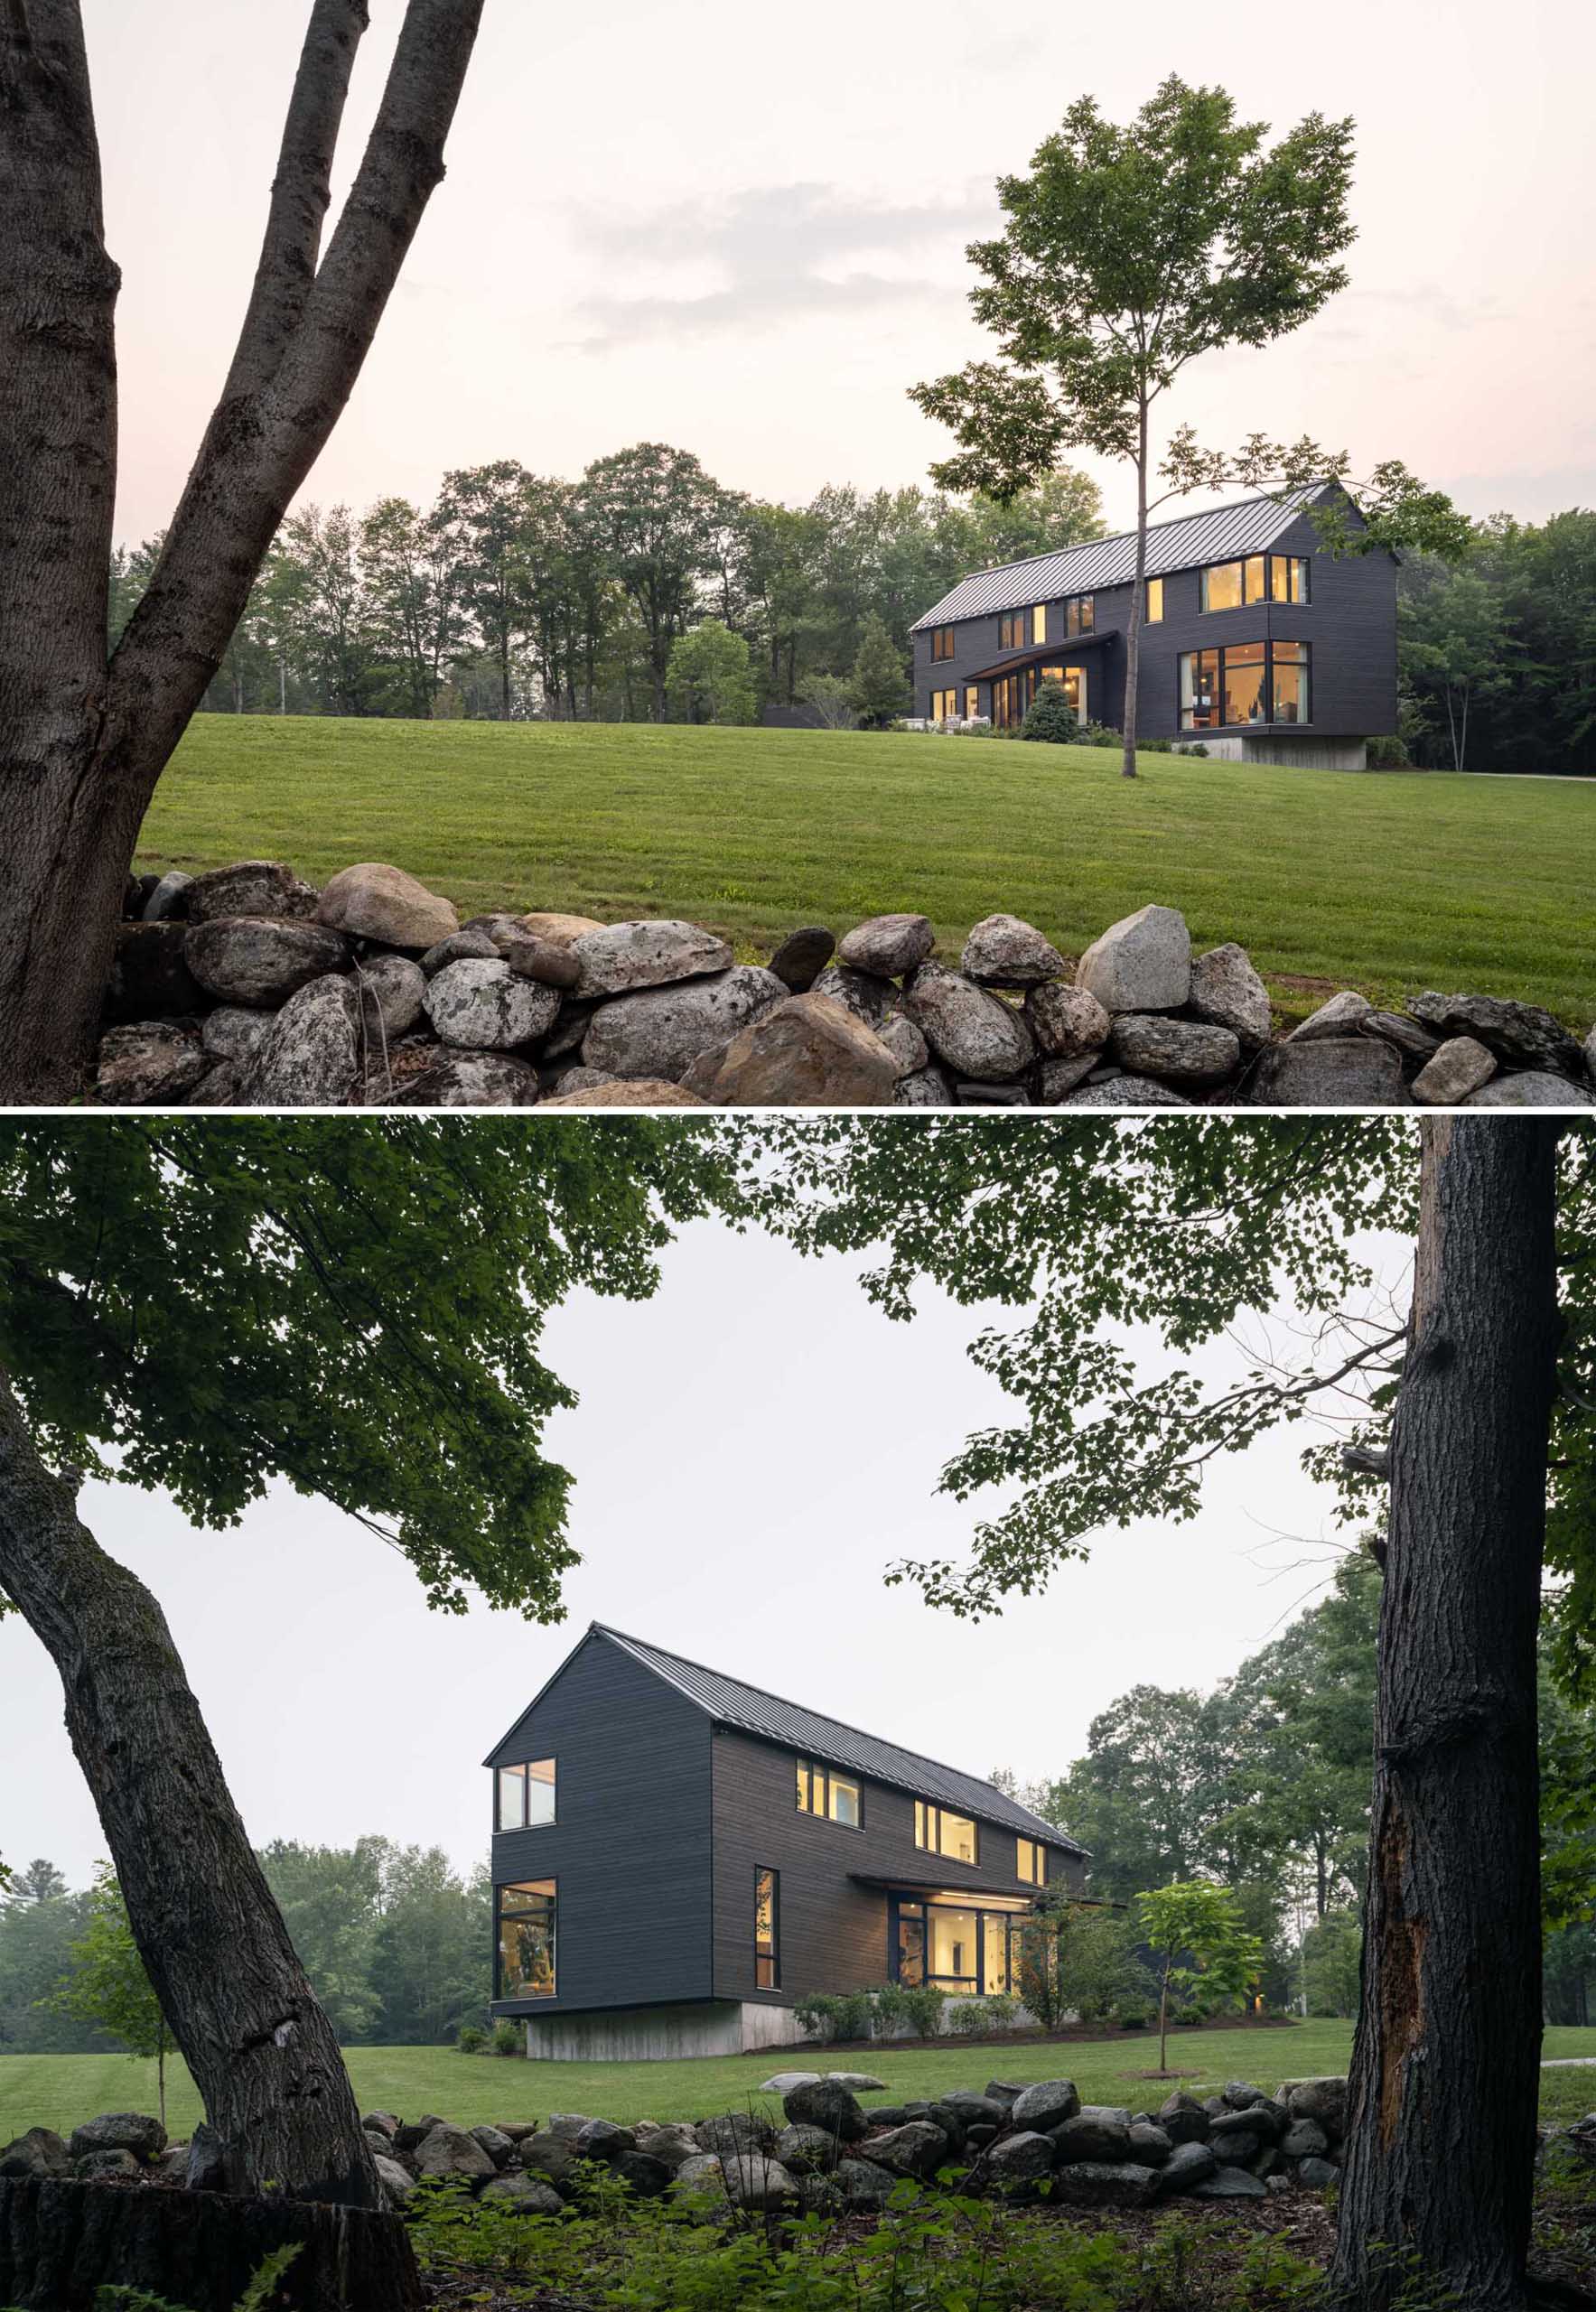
x=1150 y=2146
x=647 y=2176
x=551 y=2156
x=1141 y=963
x=673 y=2143
x=520 y=2194
x=1180 y=1052
x=702 y=2177
x=977 y=1035
x=756 y=2182
x=1323 y=2100
x=1229 y=2184
x=466 y=946
x=1189 y=2164
x=1318 y=2175
x=1520 y=1032
x=1005 y=952
x=1018 y=2158
x=1127 y=1092
x=150 y=976
x=901 y=1037
x=979 y=2111
x=804 y=1053
x=154 y=1063
x=393 y=991
x=1411 y=1041
x=166 y=897
x=1095 y=2132
x=1529 y=1090
x=1105 y=2184
x=622 y=957
x=1328 y=1072
x=635 y=1092
x=1304 y=2139
x=101 y=2167
x=1046 y=2104
x=863 y=2185
x=731 y=2134
x=1227 y=992
x=780 y=2081
x=470 y=1079
x=928 y=1088
x=1067 y=1022
x=1343 y=1015
x=374 y=901
x=548 y=961
x=498 y=2145
x=826 y=2103
x=803 y=955
x=660 y=1033
x=807 y=2151
x=476 y=1005
x=39 y=2152
x=398 y=2184
x=603 y=2140
x=1460 y=1067
x=889 y=945
x=232 y=1031
x=256 y=961
x=918 y=2147
x=450 y=2152
x=251 y=887
x=135 y=2132
x=866 y=996
x=1182 y=2119
x=564 y=929
x=312 y=1057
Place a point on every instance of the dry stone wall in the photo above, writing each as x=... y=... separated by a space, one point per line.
x=246 y=987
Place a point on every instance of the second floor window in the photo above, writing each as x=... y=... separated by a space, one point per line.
x=1032 y=1862
x=1013 y=631
x=944 y=641
x=527 y=1795
x=1081 y=614
x=835 y=1798
x=952 y=1836
x=767 y=1930
x=1155 y=600
x=1260 y=578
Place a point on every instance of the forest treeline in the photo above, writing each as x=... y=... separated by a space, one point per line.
x=1261 y=1785
x=518 y=595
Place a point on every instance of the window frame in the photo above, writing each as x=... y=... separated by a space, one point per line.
x=1150 y=617
x=523 y=1767
x=1038 y=1876
x=1269 y=563
x=1081 y=616
x=827 y=1776
x=945 y=706
x=1217 y=651
x=764 y=1871
x=925 y=1810
x=944 y=644
x=500 y=1996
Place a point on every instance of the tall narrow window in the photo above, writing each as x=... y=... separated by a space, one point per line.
x=1032 y=1862
x=1039 y=623
x=1155 y=600
x=1080 y=615
x=527 y=1940
x=1290 y=686
x=767 y=1930
x=1288 y=577
x=1199 y=690
x=972 y=703
x=527 y=1795
x=1243 y=687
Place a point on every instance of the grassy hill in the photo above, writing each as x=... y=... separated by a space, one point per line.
x=1389 y=883
x=59 y=2090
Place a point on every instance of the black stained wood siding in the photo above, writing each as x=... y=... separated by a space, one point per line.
x=833 y=1934
x=1349 y=619
x=630 y=1846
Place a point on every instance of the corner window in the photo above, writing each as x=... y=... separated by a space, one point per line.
x=952 y=1836
x=835 y=1797
x=1031 y=1861
x=1288 y=578
x=527 y=1795
x=767 y=1930
x=1154 y=610
x=1260 y=578
x=527 y=1940
x=1246 y=682
x=944 y=643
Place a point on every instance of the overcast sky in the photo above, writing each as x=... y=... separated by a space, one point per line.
x=741 y=230
x=752 y=1448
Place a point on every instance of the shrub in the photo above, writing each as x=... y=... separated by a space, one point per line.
x=970 y=2019
x=508 y=2038
x=890 y=2002
x=1051 y=717
x=1389 y=752
x=923 y=2006
x=1196 y=748
x=840 y=2015
x=1190 y=2016
x=1131 y=2019
x=473 y=2039
x=1002 y=2008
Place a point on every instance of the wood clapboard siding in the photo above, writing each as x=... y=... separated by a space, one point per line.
x=630 y=1847
x=1349 y=619
x=833 y=1934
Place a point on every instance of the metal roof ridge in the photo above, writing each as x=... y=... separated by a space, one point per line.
x=1297 y=496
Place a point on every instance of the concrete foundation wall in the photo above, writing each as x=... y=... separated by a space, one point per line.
x=1305 y=754
x=720 y=2027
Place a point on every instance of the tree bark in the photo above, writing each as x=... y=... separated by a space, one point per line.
x=81 y=745
x=262 y=2055
x=1445 y=2070
x=1133 y=630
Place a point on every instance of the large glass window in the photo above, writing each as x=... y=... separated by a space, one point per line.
x=1031 y=1861
x=944 y=705
x=953 y=1960
x=911 y=1945
x=1199 y=690
x=1288 y=577
x=527 y=1795
x=1222 y=586
x=835 y=1798
x=1243 y=687
x=527 y=1940
x=1260 y=578
x=767 y=1930
x=1290 y=684
x=1011 y=630
x=941 y=1832
x=1081 y=614
x=944 y=641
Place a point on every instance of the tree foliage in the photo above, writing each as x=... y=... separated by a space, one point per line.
x=106 y=1984
x=1200 y=1923
x=709 y=679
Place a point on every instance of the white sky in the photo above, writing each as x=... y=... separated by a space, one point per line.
x=741 y=230
x=752 y=1448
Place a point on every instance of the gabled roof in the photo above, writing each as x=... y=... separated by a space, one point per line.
x=729 y=1702
x=1224 y=534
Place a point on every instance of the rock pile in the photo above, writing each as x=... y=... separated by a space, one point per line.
x=246 y=987
x=1031 y=2141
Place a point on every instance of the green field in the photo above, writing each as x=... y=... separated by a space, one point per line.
x=1389 y=883
x=59 y=2090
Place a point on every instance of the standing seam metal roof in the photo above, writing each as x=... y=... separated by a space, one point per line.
x=729 y=1702
x=1223 y=534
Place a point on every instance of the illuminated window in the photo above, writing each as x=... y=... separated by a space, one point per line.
x=944 y=643
x=1222 y=586
x=527 y=1795
x=955 y=1948
x=835 y=1798
x=1242 y=687
x=953 y=1836
x=944 y=705
x=1081 y=614
x=766 y=1936
x=1289 y=687
x=1155 y=600
x=911 y=1945
x=1013 y=631
x=526 y=1941
x=1032 y=1862
x=1288 y=577
x=1274 y=577
x=972 y=703
x=1039 y=623
x=1199 y=690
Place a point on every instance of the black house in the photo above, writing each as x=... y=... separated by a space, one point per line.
x=677 y=1856
x=1256 y=643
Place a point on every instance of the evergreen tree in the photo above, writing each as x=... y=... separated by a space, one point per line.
x=880 y=687
x=1050 y=716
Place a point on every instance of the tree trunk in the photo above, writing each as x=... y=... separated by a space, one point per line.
x=1445 y=2068
x=82 y=744
x=1133 y=629
x=61 y=2242
x=262 y=2055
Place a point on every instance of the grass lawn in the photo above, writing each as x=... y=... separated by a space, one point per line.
x=1390 y=884
x=59 y=2090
